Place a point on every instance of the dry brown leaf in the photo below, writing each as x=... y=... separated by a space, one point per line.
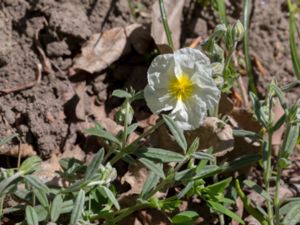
x=100 y=51
x=26 y=150
x=174 y=13
x=135 y=176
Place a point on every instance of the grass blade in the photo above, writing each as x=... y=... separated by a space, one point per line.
x=246 y=18
x=293 y=45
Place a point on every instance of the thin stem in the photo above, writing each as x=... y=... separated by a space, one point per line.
x=1 y=206
x=228 y=59
x=268 y=172
x=165 y=23
x=276 y=197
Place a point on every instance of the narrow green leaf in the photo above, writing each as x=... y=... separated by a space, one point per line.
x=290 y=139
x=177 y=133
x=36 y=183
x=223 y=210
x=293 y=46
x=161 y=155
x=193 y=147
x=186 y=217
x=153 y=167
x=100 y=132
x=185 y=190
x=221 y=10
x=219 y=187
x=78 y=208
x=293 y=216
x=56 y=208
x=94 y=165
x=121 y=94
x=246 y=133
x=42 y=197
x=132 y=128
x=4 y=184
x=240 y=162
x=106 y=192
x=149 y=184
x=31 y=216
x=203 y=156
x=7 y=139
x=257 y=189
x=246 y=21
x=30 y=165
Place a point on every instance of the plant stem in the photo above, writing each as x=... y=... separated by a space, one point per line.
x=120 y=154
x=276 y=197
x=268 y=172
x=1 y=206
x=165 y=23
x=124 y=137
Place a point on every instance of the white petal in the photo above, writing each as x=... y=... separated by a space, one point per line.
x=187 y=58
x=190 y=114
x=158 y=99
x=206 y=87
x=161 y=71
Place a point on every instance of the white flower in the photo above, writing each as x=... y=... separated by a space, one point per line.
x=182 y=83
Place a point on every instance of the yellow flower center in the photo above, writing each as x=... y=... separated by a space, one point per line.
x=181 y=88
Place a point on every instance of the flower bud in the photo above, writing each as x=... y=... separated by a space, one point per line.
x=238 y=30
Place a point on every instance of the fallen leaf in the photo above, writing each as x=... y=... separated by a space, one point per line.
x=100 y=51
x=174 y=13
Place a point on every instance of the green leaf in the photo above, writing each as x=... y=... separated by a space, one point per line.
x=186 y=189
x=240 y=162
x=149 y=184
x=257 y=189
x=223 y=210
x=153 y=167
x=100 y=132
x=293 y=46
x=106 y=192
x=132 y=128
x=246 y=133
x=203 y=156
x=290 y=139
x=36 y=183
x=78 y=208
x=193 y=147
x=293 y=216
x=42 y=197
x=31 y=216
x=161 y=155
x=4 y=184
x=219 y=187
x=30 y=165
x=93 y=167
x=186 y=217
x=287 y=207
x=121 y=94
x=56 y=208
x=177 y=133
x=7 y=139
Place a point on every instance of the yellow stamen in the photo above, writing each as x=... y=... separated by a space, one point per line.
x=181 y=88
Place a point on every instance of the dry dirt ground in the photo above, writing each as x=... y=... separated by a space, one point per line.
x=39 y=40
